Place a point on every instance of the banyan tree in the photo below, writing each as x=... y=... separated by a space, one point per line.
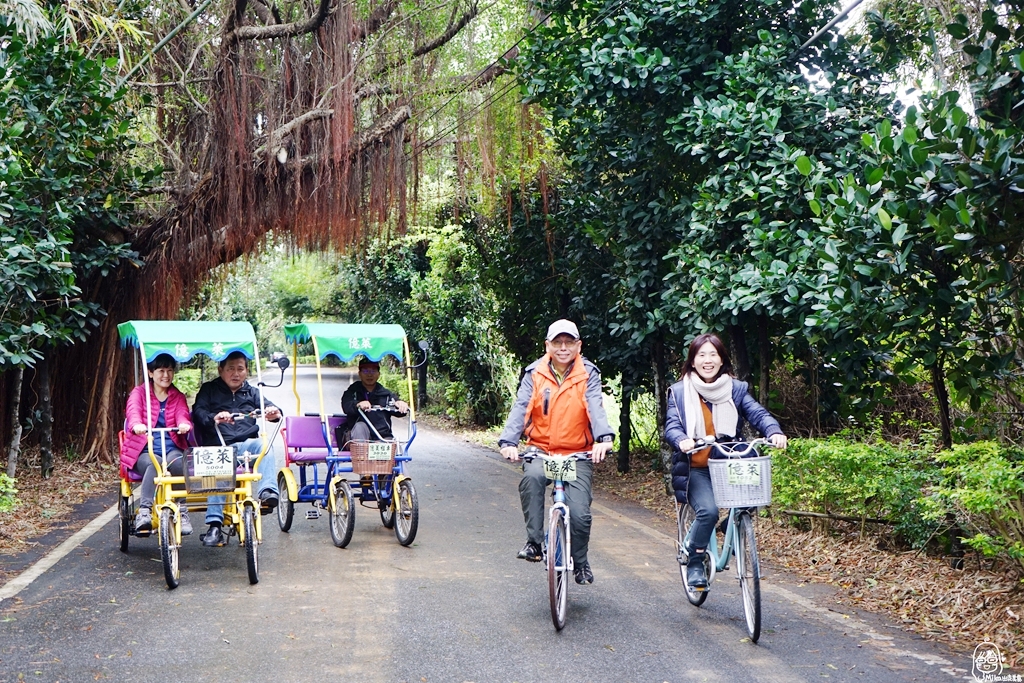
x=306 y=119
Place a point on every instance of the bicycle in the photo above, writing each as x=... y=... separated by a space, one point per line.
x=740 y=482
x=558 y=544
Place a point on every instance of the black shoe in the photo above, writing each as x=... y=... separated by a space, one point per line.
x=530 y=552
x=214 y=537
x=268 y=501
x=695 y=577
x=582 y=573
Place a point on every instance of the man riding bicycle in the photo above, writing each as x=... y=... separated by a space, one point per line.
x=559 y=408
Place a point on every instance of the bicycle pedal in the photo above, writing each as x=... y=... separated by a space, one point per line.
x=313 y=514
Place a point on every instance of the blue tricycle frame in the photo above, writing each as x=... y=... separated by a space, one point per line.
x=311 y=440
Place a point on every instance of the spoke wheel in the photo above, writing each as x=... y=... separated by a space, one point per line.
x=386 y=505
x=124 y=511
x=687 y=517
x=749 y=571
x=168 y=549
x=407 y=512
x=343 y=513
x=285 y=507
x=252 y=544
x=558 y=569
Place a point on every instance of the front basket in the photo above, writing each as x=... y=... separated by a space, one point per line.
x=373 y=457
x=741 y=482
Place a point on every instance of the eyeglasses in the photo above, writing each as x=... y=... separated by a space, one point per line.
x=369 y=370
x=564 y=344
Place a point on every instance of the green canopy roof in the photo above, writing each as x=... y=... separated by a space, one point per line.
x=184 y=339
x=346 y=342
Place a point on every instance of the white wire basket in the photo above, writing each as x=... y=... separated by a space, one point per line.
x=741 y=482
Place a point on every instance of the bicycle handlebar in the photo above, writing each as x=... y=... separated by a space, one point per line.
x=731 y=449
x=532 y=453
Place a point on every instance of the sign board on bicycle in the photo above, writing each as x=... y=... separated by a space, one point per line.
x=213 y=461
x=379 y=451
x=740 y=473
x=563 y=469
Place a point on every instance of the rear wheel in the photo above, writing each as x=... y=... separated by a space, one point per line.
x=343 y=514
x=558 y=569
x=124 y=511
x=407 y=512
x=749 y=571
x=285 y=507
x=687 y=517
x=168 y=549
x=252 y=544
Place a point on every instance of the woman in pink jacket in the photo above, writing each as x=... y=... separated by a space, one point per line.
x=168 y=408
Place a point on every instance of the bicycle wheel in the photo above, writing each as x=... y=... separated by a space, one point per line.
x=168 y=549
x=252 y=544
x=124 y=511
x=343 y=514
x=386 y=506
x=686 y=518
x=407 y=512
x=749 y=571
x=285 y=507
x=558 y=569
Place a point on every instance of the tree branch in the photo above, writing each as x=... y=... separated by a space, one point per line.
x=374 y=21
x=453 y=29
x=294 y=28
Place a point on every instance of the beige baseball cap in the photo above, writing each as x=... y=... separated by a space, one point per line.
x=563 y=326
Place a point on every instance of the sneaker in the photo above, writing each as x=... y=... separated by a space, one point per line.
x=582 y=573
x=143 y=520
x=214 y=537
x=186 y=523
x=695 y=577
x=268 y=501
x=530 y=552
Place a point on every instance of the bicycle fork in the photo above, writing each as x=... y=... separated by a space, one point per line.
x=559 y=506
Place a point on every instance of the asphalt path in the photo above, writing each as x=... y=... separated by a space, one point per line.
x=455 y=606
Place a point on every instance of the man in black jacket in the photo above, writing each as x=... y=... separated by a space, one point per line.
x=364 y=394
x=215 y=403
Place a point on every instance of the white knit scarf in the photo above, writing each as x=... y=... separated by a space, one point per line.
x=719 y=395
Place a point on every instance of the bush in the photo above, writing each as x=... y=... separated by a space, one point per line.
x=983 y=487
x=7 y=491
x=844 y=475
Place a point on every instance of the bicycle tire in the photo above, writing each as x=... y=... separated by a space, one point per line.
x=252 y=544
x=342 y=512
x=748 y=569
x=124 y=510
x=169 y=549
x=407 y=512
x=558 y=569
x=685 y=519
x=386 y=506
x=285 y=507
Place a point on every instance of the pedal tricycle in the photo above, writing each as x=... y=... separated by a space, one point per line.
x=207 y=471
x=324 y=459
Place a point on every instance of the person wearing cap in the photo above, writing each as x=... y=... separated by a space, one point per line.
x=364 y=394
x=559 y=409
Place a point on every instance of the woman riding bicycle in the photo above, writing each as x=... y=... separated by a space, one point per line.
x=168 y=408
x=708 y=401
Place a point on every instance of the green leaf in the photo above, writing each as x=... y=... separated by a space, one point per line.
x=899 y=233
x=815 y=207
x=884 y=219
x=803 y=164
x=958 y=31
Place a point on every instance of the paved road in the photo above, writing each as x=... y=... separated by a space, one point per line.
x=456 y=606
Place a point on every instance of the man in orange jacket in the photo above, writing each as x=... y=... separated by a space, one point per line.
x=559 y=409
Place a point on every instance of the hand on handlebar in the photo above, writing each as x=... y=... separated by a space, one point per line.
x=778 y=440
x=601 y=449
x=510 y=453
x=139 y=429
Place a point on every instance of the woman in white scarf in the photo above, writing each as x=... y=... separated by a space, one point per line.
x=708 y=386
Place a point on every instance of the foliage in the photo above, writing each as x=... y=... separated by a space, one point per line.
x=862 y=478
x=7 y=493
x=983 y=485
x=66 y=187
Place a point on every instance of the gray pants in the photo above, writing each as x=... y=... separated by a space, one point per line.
x=144 y=466
x=577 y=498
x=702 y=499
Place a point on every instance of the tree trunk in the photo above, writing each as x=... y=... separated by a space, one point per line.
x=942 y=398
x=661 y=391
x=625 y=428
x=14 y=449
x=764 y=359
x=46 y=418
x=740 y=358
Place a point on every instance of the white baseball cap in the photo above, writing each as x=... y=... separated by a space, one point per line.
x=563 y=326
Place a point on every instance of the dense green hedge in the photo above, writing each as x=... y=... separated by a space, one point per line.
x=974 y=491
